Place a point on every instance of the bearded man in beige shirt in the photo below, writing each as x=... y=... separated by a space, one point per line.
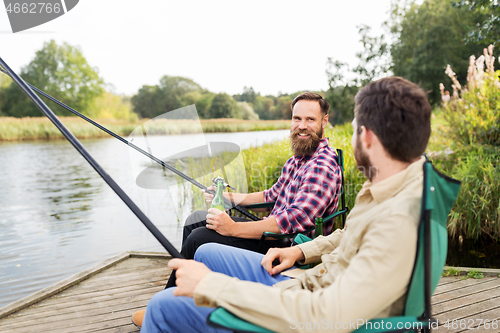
x=365 y=268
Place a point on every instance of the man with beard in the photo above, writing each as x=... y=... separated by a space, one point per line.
x=364 y=269
x=308 y=187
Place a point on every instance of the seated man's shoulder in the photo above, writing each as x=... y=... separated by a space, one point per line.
x=327 y=162
x=406 y=203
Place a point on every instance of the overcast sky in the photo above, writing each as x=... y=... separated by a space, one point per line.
x=272 y=46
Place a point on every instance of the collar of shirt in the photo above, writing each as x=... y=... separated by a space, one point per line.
x=299 y=160
x=391 y=186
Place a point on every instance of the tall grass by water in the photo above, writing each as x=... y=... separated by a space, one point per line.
x=40 y=128
x=477 y=209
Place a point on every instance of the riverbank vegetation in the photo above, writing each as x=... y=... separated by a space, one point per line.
x=40 y=128
x=465 y=144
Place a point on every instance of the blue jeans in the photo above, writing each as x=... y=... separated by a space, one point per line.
x=169 y=313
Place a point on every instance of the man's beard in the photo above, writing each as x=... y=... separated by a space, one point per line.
x=362 y=160
x=303 y=147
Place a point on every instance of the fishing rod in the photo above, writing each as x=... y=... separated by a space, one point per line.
x=152 y=157
x=78 y=146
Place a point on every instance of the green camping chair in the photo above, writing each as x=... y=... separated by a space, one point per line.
x=438 y=197
x=341 y=212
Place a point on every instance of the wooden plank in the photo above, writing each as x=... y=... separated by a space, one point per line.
x=83 y=308
x=466 y=300
x=473 y=288
x=459 y=282
x=58 y=287
x=473 y=321
x=80 y=315
x=446 y=279
x=91 y=287
x=75 y=306
x=83 y=323
x=470 y=310
x=82 y=298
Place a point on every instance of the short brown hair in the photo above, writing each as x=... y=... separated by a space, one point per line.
x=312 y=96
x=399 y=114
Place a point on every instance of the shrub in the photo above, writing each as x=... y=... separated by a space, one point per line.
x=473 y=112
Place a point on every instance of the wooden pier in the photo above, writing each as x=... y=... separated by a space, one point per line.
x=103 y=298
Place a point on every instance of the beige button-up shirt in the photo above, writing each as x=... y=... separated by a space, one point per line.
x=364 y=272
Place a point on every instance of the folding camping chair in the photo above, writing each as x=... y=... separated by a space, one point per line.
x=439 y=194
x=341 y=212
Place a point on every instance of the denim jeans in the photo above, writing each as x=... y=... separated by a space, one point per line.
x=169 y=313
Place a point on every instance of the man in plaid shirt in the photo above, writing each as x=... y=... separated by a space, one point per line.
x=309 y=187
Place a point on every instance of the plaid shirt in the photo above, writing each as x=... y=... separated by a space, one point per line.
x=309 y=187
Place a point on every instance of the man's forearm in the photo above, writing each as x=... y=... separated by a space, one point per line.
x=245 y=199
x=254 y=230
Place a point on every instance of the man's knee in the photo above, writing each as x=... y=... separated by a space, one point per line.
x=196 y=238
x=207 y=251
x=196 y=216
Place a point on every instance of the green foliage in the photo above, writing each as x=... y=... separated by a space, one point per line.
x=110 y=106
x=283 y=108
x=40 y=128
x=476 y=212
x=5 y=81
x=372 y=63
x=247 y=112
x=451 y=271
x=264 y=107
x=475 y=274
x=152 y=101
x=468 y=127
x=248 y=95
x=474 y=118
x=489 y=29
x=427 y=38
x=224 y=106
x=61 y=71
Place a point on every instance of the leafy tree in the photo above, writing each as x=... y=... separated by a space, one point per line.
x=203 y=104
x=487 y=31
x=247 y=112
x=248 y=95
x=283 y=108
x=224 y=106
x=373 y=63
x=61 y=71
x=152 y=101
x=428 y=37
x=109 y=105
x=264 y=107
x=5 y=81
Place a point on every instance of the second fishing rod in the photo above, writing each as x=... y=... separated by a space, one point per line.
x=152 y=157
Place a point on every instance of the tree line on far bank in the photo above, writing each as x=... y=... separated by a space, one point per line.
x=421 y=40
x=63 y=72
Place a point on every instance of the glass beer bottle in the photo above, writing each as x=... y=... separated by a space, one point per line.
x=218 y=201
x=318 y=231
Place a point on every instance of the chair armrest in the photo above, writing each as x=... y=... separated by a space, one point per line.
x=221 y=318
x=337 y=213
x=284 y=236
x=269 y=204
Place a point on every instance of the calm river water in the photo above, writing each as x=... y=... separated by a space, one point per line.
x=58 y=217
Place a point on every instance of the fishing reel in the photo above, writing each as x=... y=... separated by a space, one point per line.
x=215 y=179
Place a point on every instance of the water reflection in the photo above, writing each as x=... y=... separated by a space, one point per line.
x=58 y=217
